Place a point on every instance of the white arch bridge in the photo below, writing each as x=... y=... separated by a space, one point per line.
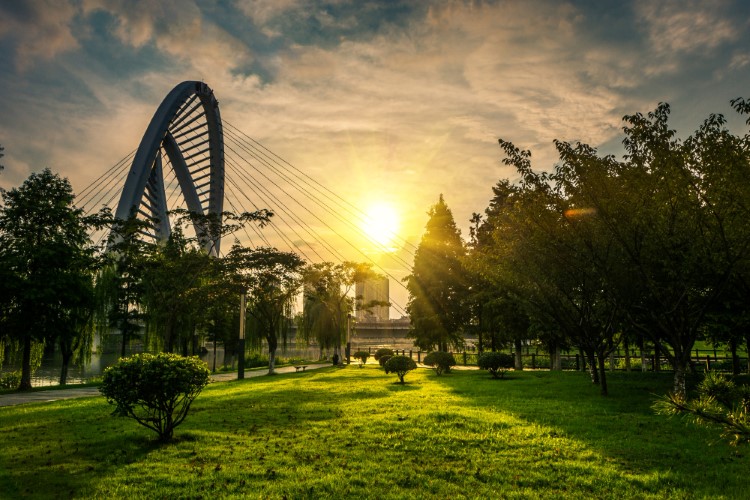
x=189 y=159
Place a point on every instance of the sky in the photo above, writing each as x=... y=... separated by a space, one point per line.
x=391 y=102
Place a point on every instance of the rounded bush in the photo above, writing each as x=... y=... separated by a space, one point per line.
x=400 y=365
x=155 y=390
x=382 y=352
x=495 y=362
x=384 y=359
x=362 y=356
x=441 y=361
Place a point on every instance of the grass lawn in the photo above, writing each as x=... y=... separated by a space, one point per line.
x=352 y=432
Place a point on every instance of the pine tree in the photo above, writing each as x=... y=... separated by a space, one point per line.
x=437 y=284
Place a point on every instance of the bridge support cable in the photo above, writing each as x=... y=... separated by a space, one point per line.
x=231 y=138
x=322 y=241
x=230 y=191
x=274 y=200
x=313 y=184
x=290 y=180
x=100 y=192
x=257 y=192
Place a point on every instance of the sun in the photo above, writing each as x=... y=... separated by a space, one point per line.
x=381 y=224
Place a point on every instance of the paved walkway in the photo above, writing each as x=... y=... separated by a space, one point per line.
x=18 y=398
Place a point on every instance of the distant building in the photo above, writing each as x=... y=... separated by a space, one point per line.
x=367 y=291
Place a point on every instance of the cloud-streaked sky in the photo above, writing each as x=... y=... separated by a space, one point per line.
x=396 y=101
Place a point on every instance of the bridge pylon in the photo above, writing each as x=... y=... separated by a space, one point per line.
x=186 y=136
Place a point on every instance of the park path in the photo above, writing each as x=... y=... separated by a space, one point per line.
x=18 y=398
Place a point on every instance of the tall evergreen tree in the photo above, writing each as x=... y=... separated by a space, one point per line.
x=437 y=285
x=46 y=252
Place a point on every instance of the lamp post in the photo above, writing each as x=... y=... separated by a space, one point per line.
x=348 y=338
x=241 y=347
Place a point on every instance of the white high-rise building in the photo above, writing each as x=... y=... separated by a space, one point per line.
x=367 y=291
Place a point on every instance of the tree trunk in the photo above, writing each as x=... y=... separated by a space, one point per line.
x=626 y=345
x=747 y=346
x=124 y=332
x=557 y=359
x=735 y=357
x=214 y=367
x=592 y=366
x=272 y=345
x=67 y=354
x=679 y=379
x=602 y=373
x=272 y=361
x=518 y=364
x=26 y=366
x=657 y=358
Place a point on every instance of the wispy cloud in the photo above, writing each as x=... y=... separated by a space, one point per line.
x=398 y=100
x=38 y=30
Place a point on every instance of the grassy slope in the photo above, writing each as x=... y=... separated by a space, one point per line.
x=354 y=433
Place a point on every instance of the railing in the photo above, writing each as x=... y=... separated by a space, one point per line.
x=702 y=359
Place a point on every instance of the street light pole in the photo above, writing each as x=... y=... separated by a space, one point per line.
x=241 y=347
x=348 y=338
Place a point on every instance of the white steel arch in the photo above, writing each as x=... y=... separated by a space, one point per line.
x=185 y=132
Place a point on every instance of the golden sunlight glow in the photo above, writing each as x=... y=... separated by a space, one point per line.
x=381 y=225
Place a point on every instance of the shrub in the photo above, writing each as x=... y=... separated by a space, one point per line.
x=383 y=360
x=496 y=363
x=362 y=356
x=256 y=360
x=155 y=390
x=400 y=365
x=10 y=380
x=441 y=361
x=382 y=352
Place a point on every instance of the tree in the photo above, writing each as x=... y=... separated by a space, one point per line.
x=327 y=301
x=272 y=280
x=155 y=390
x=437 y=285
x=174 y=275
x=49 y=258
x=498 y=314
x=538 y=254
x=400 y=365
x=119 y=284
x=676 y=212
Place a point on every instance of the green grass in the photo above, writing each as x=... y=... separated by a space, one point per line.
x=351 y=432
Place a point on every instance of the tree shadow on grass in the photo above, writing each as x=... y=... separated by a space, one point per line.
x=622 y=428
x=65 y=449
x=403 y=387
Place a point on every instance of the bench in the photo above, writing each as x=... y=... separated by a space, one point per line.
x=301 y=367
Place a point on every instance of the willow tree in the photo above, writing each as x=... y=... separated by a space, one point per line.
x=272 y=280
x=328 y=301
x=437 y=285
